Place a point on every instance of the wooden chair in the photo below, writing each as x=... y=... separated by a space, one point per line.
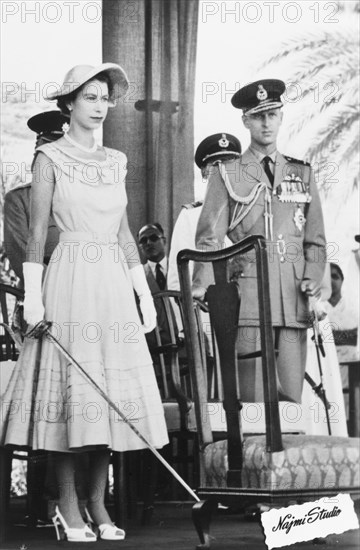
x=271 y=468
x=8 y=297
x=168 y=352
x=347 y=339
x=9 y=352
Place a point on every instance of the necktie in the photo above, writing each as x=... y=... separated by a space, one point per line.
x=160 y=277
x=268 y=172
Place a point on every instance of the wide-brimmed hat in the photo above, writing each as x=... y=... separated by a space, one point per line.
x=78 y=75
x=215 y=147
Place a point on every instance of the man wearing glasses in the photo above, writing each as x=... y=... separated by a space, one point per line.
x=152 y=245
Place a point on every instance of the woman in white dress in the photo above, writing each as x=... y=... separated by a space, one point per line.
x=88 y=295
x=313 y=408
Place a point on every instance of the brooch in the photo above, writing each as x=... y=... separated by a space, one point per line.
x=299 y=219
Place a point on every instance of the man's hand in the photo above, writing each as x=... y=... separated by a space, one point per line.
x=310 y=288
x=198 y=292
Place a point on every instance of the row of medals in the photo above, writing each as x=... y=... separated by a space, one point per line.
x=292 y=189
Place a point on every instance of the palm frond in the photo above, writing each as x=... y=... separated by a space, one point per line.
x=323 y=145
x=348 y=148
x=311 y=107
x=324 y=71
x=327 y=45
x=329 y=129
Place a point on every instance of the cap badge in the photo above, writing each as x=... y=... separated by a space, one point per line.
x=261 y=94
x=223 y=142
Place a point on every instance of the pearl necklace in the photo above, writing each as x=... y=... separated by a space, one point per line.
x=81 y=147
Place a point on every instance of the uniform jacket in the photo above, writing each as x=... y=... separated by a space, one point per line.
x=183 y=236
x=296 y=250
x=16 y=228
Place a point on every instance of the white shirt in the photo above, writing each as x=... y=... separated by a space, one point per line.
x=163 y=263
x=183 y=236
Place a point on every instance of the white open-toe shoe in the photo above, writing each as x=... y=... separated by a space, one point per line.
x=107 y=531
x=63 y=531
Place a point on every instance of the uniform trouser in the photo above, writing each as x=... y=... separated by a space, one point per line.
x=290 y=353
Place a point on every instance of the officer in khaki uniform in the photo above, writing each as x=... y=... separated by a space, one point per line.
x=267 y=193
x=220 y=146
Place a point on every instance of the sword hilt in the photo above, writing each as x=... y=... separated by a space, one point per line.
x=38 y=330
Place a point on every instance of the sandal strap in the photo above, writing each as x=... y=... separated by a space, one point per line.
x=107 y=529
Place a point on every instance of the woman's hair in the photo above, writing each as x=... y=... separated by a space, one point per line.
x=64 y=100
x=338 y=269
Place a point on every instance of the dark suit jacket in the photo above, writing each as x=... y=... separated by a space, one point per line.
x=150 y=277
x=160 y=310
x=16 y=229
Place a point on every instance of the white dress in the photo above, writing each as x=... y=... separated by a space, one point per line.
x=312 y=407
x=89 y=297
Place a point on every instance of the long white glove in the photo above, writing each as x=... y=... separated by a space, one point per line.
x=141 y=288
x=33 y=304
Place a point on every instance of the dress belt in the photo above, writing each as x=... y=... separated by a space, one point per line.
x=89 y=237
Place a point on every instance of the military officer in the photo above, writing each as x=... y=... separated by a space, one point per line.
x=48 y=126
x=265 y=192
x=220 y=146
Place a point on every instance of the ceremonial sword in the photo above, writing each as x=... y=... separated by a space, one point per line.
x=43 y=328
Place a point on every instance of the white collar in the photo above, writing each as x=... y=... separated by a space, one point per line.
x=162 y=262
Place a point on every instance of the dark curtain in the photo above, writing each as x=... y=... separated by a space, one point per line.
x=155 y=42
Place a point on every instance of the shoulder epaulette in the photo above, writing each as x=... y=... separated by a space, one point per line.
x=19 y=188
x=195 y=204
x=291 y=159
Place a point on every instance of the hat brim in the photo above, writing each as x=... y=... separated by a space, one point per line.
x=117 y=75
x=47 y=122
x=265 y=107
x=214 y=156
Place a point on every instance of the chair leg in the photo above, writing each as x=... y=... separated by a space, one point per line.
x=119 y=489
x=36 y=472
x=5 y=481
x=151 y=476
x=201 y=514
x=133 y=462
